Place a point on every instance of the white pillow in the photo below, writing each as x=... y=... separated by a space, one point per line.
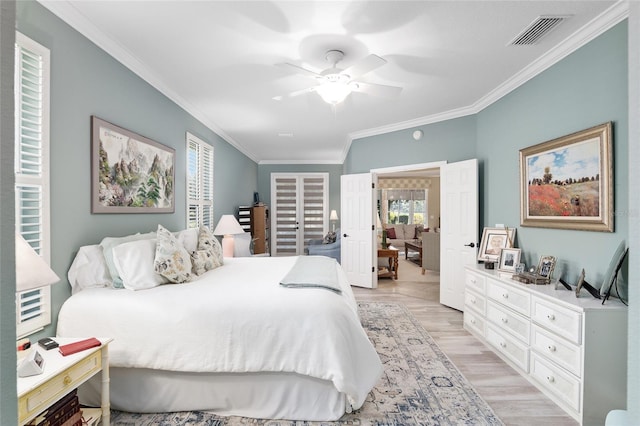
x=88 y=269
x=134 y=262
x=109 y=243
x=188 y=238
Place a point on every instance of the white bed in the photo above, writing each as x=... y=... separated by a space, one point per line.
x=233 y=341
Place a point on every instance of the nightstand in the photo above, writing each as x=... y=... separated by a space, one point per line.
x=61 y=375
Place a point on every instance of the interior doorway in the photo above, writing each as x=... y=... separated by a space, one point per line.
x=409 y=176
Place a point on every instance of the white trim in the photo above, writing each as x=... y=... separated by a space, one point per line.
x=267 y=162
x=408 y=168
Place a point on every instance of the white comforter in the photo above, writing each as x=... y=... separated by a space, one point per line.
x=236 y=318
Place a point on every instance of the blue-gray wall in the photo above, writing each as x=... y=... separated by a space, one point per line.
x=86 y=81
x=577 y=93
x=452 y=140
x=334 y=170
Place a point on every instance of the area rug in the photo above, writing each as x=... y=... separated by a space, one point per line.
x=420 y=385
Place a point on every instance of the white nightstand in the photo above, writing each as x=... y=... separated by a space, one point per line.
x=61 y=375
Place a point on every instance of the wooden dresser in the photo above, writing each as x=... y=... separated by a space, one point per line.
x=574 y=349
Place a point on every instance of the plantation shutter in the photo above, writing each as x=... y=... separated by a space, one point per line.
x=32 y=173
x=314 y=207
x=199 y=183
x=299 y=211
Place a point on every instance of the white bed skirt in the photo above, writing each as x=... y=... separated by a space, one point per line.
x=256 y=395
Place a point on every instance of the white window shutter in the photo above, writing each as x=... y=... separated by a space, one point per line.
x=199 y=182
x=32 y=172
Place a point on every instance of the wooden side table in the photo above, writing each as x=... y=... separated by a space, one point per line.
x=392 y=253
x=61 y=375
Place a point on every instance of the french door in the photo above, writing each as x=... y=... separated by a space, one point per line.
x=299 y=211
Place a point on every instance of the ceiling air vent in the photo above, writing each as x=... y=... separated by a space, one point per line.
x=537 y=29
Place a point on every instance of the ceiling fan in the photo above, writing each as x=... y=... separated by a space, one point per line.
x=335 y=84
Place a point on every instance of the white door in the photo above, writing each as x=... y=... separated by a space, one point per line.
x=459 y=228
x=356 y=227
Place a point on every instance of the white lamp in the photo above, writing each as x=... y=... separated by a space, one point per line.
x=333 y=217
x=31 y=269
x=228 y=226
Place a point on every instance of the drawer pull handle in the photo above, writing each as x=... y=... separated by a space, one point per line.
x=473 y=280
x=503 y=344
x=473 y=300
x=505 y=295
x=551 y=317
x=550 y=379
x=67 y=380
x=473 y=321
x=552 y=348
x=504 y=320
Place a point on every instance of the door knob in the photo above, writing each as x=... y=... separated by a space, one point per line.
x=472 y=245
x=345 y=235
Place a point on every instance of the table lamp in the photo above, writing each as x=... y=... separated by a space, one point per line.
x=31 y=269
x=228 y=226
x=31 y=272
x=333 y=217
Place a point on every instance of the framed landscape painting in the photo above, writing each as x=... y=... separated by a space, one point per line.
x=568 y=182
x=129 y=173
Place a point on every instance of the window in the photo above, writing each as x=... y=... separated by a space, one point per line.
x=32 y=173
x=199 y=183
x=406 y=205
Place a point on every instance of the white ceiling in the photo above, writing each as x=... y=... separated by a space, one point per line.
x=217 y=59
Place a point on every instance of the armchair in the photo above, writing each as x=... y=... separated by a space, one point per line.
x=316 y=248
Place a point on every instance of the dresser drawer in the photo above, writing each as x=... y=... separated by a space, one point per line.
x=60 y=385
x=558 y=319
x=475 y=282
x=475 y=301
x=514 y=298
x=557 y=349
x=559 y=382
x=509 y=346
x=474 y=322
x=508 y=320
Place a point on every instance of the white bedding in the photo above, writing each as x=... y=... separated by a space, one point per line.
x=236 y=318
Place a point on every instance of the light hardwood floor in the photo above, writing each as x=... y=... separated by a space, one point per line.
x=511 y=397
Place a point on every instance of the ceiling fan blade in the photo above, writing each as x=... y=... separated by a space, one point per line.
x=295 y=93
x=381 y=90
x=365 y=65
x=295 y=68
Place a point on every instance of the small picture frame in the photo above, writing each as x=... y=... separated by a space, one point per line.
x=546 y=266
x=509 y=258
x=493 y=241
x=579 y=283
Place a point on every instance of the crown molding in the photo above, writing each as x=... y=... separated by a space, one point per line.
x=603 y=22
x=72 y=16
x=280 y=162
x=597 y=26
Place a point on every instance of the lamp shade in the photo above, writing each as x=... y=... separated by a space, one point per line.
x=31 y=269
x=228 y=225
x=333 y=215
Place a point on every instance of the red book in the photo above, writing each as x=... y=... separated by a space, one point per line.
x=72 y=348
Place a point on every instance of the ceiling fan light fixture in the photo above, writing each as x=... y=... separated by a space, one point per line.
x=333 y=92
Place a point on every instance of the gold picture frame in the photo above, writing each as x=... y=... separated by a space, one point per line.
x=567 y=182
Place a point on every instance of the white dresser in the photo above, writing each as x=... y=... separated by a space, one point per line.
x=573 y=349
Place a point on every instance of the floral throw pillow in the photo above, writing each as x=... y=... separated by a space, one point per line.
x=208 y=243
x=202 y=261
x=329 y=238
x=172 y=260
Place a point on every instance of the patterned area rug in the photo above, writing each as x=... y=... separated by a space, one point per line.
x=420 y=385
